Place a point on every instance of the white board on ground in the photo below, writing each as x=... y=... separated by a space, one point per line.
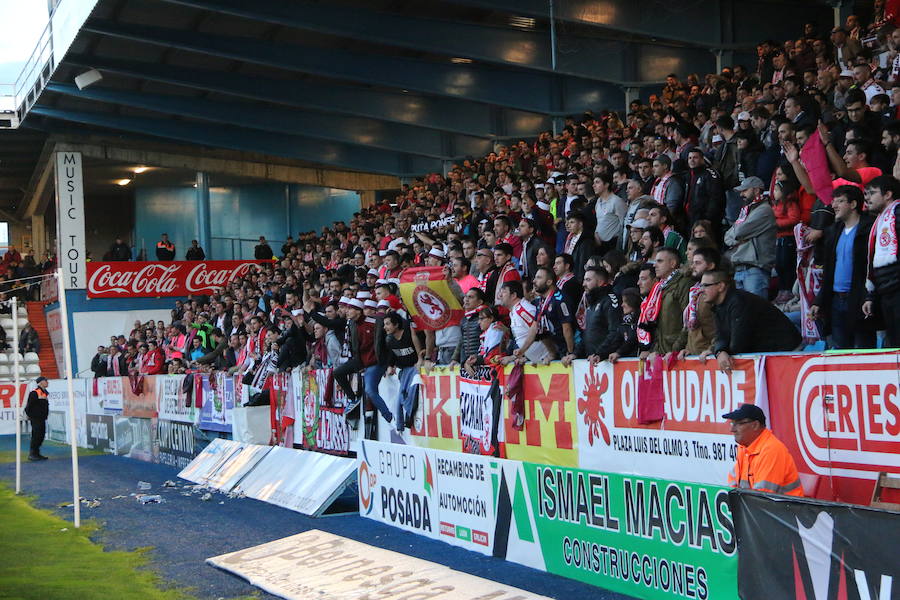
x=209 y=460
x=316 y=564
x=236 y=466
x=302 y=481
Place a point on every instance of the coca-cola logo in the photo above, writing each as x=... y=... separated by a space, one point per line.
x=162 y=279
x=152 y=280
x=201 y=278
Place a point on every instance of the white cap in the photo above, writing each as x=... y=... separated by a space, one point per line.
x=363 y=295
x=383 y=303
x=355 y=303
x=543 y=206
x=437 y=252
x=717 y=138
x=381 y=281
x=540 y=186
x=373 y=272
x=370 y=304
x=297 y=311
x=743 y=116
x=382 y=253
x=395 y=280
x=846 y=73
x=344 y=300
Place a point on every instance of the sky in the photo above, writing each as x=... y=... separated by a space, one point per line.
x=20 y=28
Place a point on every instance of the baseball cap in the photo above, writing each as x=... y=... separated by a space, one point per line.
x=743 y=116
x=640 y=224
x=437 y=253
x=746 y=411
x=846 y=73
x=355 y=303
x=750 y=182
x=717 y=138
x=370 y=304
x=40 y=379
x=373 y=272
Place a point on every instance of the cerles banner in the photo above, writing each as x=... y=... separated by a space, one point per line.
x=152 y=279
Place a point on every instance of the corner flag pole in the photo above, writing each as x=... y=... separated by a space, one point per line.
x=15 y=397
x=73 y=423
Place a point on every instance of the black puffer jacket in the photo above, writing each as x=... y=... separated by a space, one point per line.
x=602 y=318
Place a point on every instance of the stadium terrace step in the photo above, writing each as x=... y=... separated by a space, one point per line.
x=47 y=360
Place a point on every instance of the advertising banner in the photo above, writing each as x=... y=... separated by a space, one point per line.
x=396 y=487
x=8 y=406
x=218 y=402
x=839 y=416
x=692 y=442
x=136 y=438
x=794 y=548
x=101 y=431
x=467 y=490
x=108 y=392
x=176 y=443
x=58 y=422
x=172 y=401
x=70 y=219
x=306 y=482
x=647 y=538
x=211 y=458
x=56 y=426
x=153 y=279
x=54 y=329
x=140 y=403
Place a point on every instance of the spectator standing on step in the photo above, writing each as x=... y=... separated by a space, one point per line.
x=165 y=250
x=262 y=251
x=195 y=252
x=119 y=251
x=37 y=408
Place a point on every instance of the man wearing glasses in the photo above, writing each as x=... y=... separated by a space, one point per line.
x=763 y=463
x=745 y=322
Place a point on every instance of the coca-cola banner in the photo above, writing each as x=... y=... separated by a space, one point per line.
x=153 y=279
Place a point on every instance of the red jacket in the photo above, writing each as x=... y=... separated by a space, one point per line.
x=154 y=362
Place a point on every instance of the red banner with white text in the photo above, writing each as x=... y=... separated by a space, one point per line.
x=153 y=279
x=839 y=415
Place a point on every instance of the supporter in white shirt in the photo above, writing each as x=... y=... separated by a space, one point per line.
x=522 y=314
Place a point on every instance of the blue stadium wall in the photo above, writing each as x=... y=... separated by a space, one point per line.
x=238 y=212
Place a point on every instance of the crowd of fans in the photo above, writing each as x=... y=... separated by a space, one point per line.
x=672 y=231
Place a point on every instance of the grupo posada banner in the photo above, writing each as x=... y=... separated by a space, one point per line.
x=648 y=538
x=153 y=279
x=795 y=548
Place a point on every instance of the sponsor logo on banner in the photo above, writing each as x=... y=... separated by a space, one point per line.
x=8 y=406
x=325 y=427
x=136 y=438
x=56 y=426
x=152 y=279
x=176 y=443
x=550 y=430
x=466 y=499
x=402 y=492
x=218 y=402
x=101 y=430
x=693 y=443
x=847 y=414
x=109 y=391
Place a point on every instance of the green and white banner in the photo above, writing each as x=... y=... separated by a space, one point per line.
x=648 y=538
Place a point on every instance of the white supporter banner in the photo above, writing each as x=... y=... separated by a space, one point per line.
x=305 y=482
x=316 y=564
x=58 y=422
x=70 y=219
x=217 y=453
x=172 y=400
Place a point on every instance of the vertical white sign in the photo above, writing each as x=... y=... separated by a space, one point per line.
x=70 y=219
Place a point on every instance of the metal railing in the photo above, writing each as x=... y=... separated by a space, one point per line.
x=238 y=245
x=16 y=99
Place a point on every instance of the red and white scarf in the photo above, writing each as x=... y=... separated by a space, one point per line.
x=501 y=278
x=650 y=308
x=564 y=280
x=581 y=312
x=571 y=242
x=660 y=187
x=745 y=211
x=690 y=311
x=471 y=313
x=883 y=238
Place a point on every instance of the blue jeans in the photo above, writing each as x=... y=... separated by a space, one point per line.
x=406 y=400
x=753 y=280
x=372 y=378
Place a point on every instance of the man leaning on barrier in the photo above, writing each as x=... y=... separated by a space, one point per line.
x=763 y=462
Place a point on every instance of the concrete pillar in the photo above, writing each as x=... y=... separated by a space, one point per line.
x=204 y=227
x=631 y=94
x=38 y=236
x=367 y=198
x=842 y=10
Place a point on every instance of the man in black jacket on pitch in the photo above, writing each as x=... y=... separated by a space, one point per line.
x=38 y=409
x=745 y=322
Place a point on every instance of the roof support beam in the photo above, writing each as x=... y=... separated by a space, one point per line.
x=253 y=140
x=458 y=116
x=500 y=45
x=350 y=130
x=522 y=90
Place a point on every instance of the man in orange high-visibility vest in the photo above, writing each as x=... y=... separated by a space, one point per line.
x=763 y=462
